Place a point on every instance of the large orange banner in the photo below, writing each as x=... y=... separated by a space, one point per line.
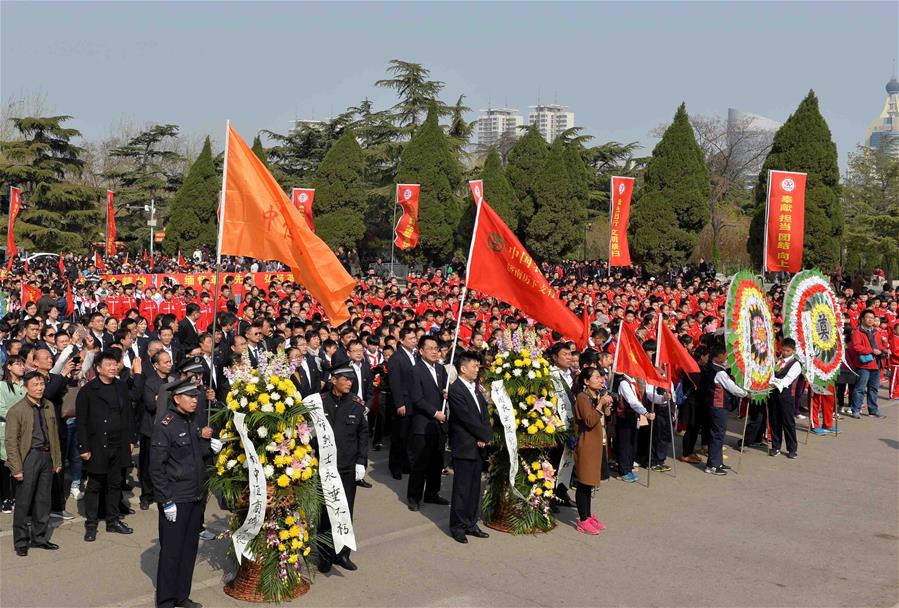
x=784 y=221
x=619 y=214
x=407 y=227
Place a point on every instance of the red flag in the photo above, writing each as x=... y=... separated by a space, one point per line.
x=98 y=262
x=15 y=205
x=498 y=265
x=146 y=255
x=784 y=221
x=30 y=294
x=70 y=299
x=302 y=200
x=110 y=223
x=407 y=228
x=152 y=262
x=181 y=261
x=26 y=264
x=632 y=360
x=62 y=267
x=671 y=354
x=477 y=190
x=619 y=214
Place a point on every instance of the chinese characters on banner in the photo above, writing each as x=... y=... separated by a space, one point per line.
x=566 y=409
x=619 y=214
x=506 y=413
x=110 y=223
x=196 y=279
x=407 y=227
x=332 y=488
x=302 y=199
x=784 y=221
x=15 y=205
x=256 y=513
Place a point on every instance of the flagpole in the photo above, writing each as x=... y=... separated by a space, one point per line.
x=765 y=234
x=107 y=225
x=218 y=259
x=393 y=234
x=9 y=225
x=617 y=350
x=611 y=207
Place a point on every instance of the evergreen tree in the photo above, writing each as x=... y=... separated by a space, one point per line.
x=460 y=130
x=804 y=144
x=526 y=159
x=427 y=160
x=340 y=196
x=259 y=151
x=672 y=206
x=192 y=221
x=498 y=193
x=59 y=215
x=578 y=173
x=556 y=229
x=417 y=93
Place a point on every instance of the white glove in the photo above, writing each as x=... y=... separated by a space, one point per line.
x=360 y=472
x=216 y=445
x=171 y=511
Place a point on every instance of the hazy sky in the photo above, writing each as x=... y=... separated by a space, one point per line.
x=621 y=67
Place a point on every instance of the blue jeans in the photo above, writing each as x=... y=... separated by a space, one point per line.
x=868 y=381
x=72 y=452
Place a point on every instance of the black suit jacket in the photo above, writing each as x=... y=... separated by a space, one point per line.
x=467 y=425
x=368 y=384
x=187 y=335
x=152 y=386
x=399 y=376
x=307 y=383
x=91 y=410
x=426 y=397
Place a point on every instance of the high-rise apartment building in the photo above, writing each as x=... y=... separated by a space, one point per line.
x=551 y=119
x=493 y=122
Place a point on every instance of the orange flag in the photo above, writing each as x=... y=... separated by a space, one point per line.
x=672 y=355
x=498 y=265
x=632 y=360
x=259 y=221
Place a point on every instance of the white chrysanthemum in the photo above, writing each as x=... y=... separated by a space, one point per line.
x=289 y=471
x=243 y=402
x=269 y=471
x=535 y=364
x=275 y=396
x=269 y=387
x=516 y=372
x=231 y=464
x=289 y=402
x=532 y=375
x=267 y=408
x=262 y=431
x=271 y=447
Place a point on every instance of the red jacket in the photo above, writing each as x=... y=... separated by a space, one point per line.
x=858 y=346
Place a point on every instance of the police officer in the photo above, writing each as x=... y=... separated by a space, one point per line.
x=345 y=412
x=179 y=451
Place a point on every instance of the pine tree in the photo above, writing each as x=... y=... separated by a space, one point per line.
x=804 y=144
x=526 y=159
x=192 y=222
x=672 y=206
x=556 y=229
x=417 y=93
x=427 y=160
x=578 y=173
x=59 y=214
x=340 y=197
x=259 y=151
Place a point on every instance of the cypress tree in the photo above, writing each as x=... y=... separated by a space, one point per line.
x=192 y=222
x=427 y=160
x=526 y=159
x=340 y=196
x=672 y=206
x=556 y=229
x=578 y=173
x=498 y=193
x=804 y=144
x=259 y=151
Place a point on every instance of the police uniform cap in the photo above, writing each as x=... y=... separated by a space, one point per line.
x=191 y=364
x=185 y=387
x=345 y=371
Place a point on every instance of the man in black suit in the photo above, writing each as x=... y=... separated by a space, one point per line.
x=426 y=440
x=306 y=376
x=188 y=334
x=167 y=338
x=161 y=363
x=469 y=434
x=363 y=383
x=399 y=375
x=255 y=346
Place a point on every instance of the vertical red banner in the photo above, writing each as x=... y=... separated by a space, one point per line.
x=477 y=190
x=15 y=205
x=110 y=223
x=302 y=199
x=407 y=227
x=784 y=221
x=622 y=189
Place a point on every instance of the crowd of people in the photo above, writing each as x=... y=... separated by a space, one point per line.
x=94 y=367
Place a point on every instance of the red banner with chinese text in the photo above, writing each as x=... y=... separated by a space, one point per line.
x=196 y=279
x=619 y=214
x=15 y=205
x=407 y=227
x=110 y=223
x=785 y=221
x=302 y=199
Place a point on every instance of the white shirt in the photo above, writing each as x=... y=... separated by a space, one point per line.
x=410 y=354
x=782 y=383
x=473 y=390
x=728 y=384
x=433 y=371
x=357 y=367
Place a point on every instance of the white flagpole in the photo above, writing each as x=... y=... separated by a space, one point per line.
x=765 y=234
x=218 y=253
x=617 y=350
x=396 y=198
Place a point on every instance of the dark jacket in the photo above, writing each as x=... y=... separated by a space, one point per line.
x=399 y=375
x=467 y=425
x=179 y=458
x=19 y=429
x=152 y=387
x=187 y=335
x=350 y=427
x=426 y=398
x=307 y=384
x=55 y=391
x=92 y=412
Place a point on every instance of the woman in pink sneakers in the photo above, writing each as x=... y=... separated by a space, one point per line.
x=591 y=406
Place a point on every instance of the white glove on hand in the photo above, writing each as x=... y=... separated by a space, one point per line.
x=216 y=445
x=171 y=512
x=360 y=472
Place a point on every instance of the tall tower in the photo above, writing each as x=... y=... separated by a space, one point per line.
x=884 y=130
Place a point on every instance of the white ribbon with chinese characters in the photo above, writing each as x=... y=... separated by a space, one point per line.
x=566 y=412
x=256 y=513
x=506 y=413
x=335 y=497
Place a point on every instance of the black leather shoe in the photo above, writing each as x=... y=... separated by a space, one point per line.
x=397 y=476
x=792 y=455
x=47 y=545
x=118 y=528
x=565 y=501
x=363 y=484
x=477 y=533
x=90 y=535
x=188 y=603
x=346 y=563
x=22 y=551
x=459 y=537
x=414 y=506
x=377 y=447
x=125 y=510
x=144 y=504
x=437 y=500
x=324 y=567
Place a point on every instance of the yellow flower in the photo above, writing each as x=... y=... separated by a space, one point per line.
x=522 y=391
x=507 y=376
x=279 y=408
x=305 y=536
x=306 y=551
x=278 y=437
x=241 y=457
x=526 y=362
x=535 y=465
x=498 y=361
x=253 y=406
x=539 y=424
x=281 y=547
x=550 y=429
x=538 y=491
x=547 y=484
x=532 y=478
x=233 y=406
x=531 y=399
x=262 y=459
x=518 y=363
x=293 y=559
x=547 y=411
x=220 y=470
x=251 y=389
x=532 y=430
x=289 y=520
x=540 y=474
x=283 y=534
x=543 y=392
x=264 y=398
x=294 y=531
x=537 y=374
x=295 y=544
x=553 y=400
x=549 y=493
x=306 y=474
x=283 y=480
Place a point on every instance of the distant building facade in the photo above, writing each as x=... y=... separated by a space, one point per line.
x=749 y=137
x=551 y=120
x=884 y=130
x=493 y=122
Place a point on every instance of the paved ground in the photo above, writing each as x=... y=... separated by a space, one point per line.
x=822 y=530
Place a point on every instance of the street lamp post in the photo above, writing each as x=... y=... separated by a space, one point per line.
x=587 y=228
x=151 y=209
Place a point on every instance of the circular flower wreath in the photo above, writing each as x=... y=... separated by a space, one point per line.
x=819 y=340
x=749 y=334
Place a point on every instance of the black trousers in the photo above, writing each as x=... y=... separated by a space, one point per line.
x=466 y=499
x=143 y=469
x=426 y=461
x=376 y=421
x=783 y=422
x=178 y=544
x=398 y=459
x=582 y=497
x=758 y=421
x=717 y=432
x=33 y=494
x=625 y=442
x=109 y=484
x=7 y=490
x=327 y=554
x=58 y=491
x=661 y=435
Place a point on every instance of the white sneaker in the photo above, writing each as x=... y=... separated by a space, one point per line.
x=802 y=417
x=207 y=535
x=77 y=493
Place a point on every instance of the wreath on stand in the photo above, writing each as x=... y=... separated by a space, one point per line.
x=812 y=317
x=749 y=335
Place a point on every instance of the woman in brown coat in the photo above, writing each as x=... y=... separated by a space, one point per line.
x=590 y=407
